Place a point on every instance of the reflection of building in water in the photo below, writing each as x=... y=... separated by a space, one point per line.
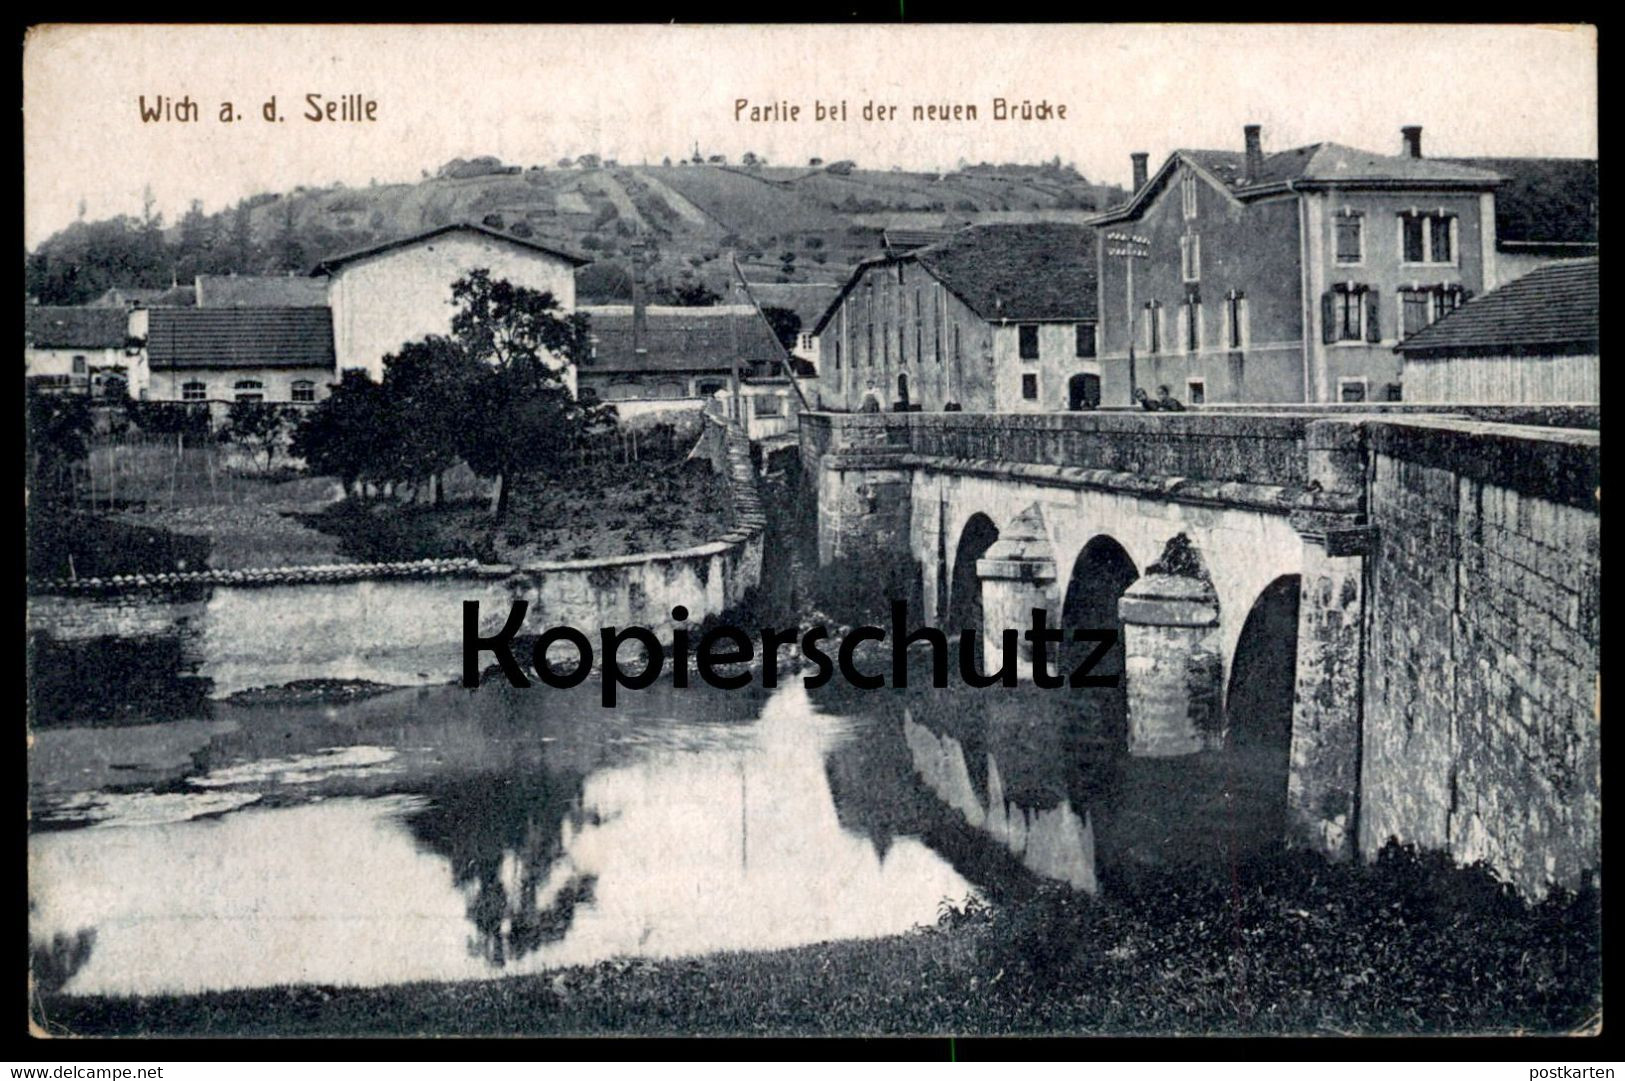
x=1054 y=843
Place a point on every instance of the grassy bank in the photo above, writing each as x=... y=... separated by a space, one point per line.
x=1288 y=946
x=605 y=509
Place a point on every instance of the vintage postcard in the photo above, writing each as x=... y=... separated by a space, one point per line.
x=812 y=530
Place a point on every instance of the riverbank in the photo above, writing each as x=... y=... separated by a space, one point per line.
x=1286 y=946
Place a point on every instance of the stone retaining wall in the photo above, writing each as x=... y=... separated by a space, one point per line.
x=402 y=622
x=1481 y=730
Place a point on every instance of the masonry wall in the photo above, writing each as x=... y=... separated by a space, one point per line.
x=946 y=353
x=1529 y=379
x=220 y=384
x=1481 y=733
x=382 y=302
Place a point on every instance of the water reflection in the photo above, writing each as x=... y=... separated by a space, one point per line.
x=502 y=832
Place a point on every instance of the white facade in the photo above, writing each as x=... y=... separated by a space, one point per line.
x=384 y=299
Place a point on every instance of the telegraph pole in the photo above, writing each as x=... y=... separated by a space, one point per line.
x=1129 y=247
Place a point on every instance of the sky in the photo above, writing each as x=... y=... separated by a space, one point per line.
x=532 y=94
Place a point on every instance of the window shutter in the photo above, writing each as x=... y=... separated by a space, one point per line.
x=1373 y=322
x=1328 y=317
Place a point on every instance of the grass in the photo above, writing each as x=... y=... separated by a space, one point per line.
x=1287 y=946
x=607 y=509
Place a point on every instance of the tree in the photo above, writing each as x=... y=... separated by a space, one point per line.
x=528 y=420
x=59 y=428
x=786 y=324
x=342 y=436
x=691 y=294
x=259 y=426
x=426 y=393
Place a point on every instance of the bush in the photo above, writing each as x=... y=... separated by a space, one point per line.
x=859 y=589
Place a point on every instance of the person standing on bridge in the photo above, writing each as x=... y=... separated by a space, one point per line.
x=1145 y=400
x=871 y=399
x=1167 y=402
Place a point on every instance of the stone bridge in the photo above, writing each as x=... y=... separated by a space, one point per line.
x=1408 y=602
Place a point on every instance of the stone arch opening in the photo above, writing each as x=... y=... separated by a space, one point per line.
x=965 y=589
x=1100 y=575
x=1263 y=670
x=1083 y=391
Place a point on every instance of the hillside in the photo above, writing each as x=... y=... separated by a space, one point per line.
x=804 y=224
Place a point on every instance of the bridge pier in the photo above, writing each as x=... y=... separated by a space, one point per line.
x=1018 y=575
x=1172 y=666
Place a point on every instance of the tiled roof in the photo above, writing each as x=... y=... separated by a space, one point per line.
x=1043 y=270
x=1317 y=163
x=1336 y=162
x=260 y=291
x=1552 y=309
x=1544 y=200
x=50 y=327
x=240 y=338
x=327 y=266
x=808 y=300
x=678 y=339
x=120 y=296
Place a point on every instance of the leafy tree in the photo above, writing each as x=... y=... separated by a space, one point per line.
x=342 y=436
x=426 y=391
x=59 y=429
x=527 y=419
x=692 y=294
x=259 y=426
x=786 y=324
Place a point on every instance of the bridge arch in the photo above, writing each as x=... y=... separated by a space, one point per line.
x=1263 y=670
x=976 y=536
x=1100 y=575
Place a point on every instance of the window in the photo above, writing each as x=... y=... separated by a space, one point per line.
x=1197 y=389
x=1193 y=326
x=806 y=343
x=1187 y=193
x=1414 y=309
x=1421 y=305
x=1153 y=326
x=957 y=354
x=869 y=349
x=1395 y=392
x=1349 y=313
x=1029 y=386
x=1350 y=237
x=1086 y=339
x=1190 y=258
x=303 y=390
x=1351 y=390
x=1235 y=320
x=1029 y=341
x=249 y=390
x=837 y=354
x=1427 y=237
x=193 y=391
x=80 y=365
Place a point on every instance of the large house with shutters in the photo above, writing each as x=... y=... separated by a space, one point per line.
x=1245 y=276
x=995 y=318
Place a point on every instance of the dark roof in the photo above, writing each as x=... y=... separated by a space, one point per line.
x=808 y=300
x=1550 y=201
x=259 y=291
x=1031 y=272
x=121 y=296
x=240 y=338
x=76 y=328
x=327 y=266
x=1315 y=164
x=1552 y=309
x=1041 y=270
x=678 y=339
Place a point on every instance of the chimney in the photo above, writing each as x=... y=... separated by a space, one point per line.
x=640 y=328
x=1139 y=159
x=1413 y=140
x=1255 y=151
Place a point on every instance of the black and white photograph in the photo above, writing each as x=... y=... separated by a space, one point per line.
x=936 y=530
